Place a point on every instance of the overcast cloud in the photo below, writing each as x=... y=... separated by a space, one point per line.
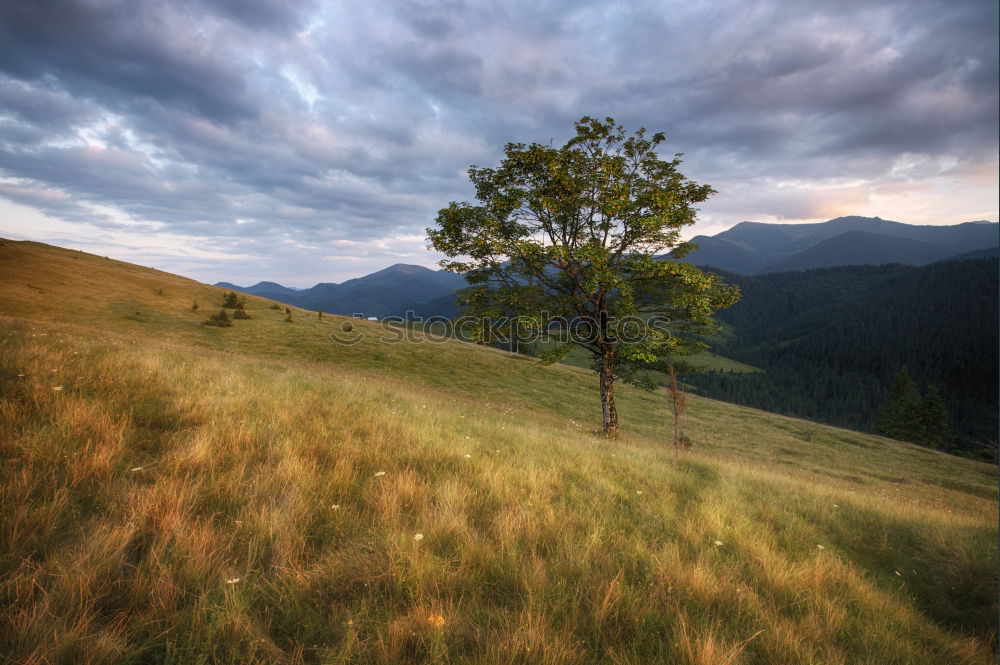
x=314 y=141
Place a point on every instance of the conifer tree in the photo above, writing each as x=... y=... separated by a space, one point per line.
x=933 y=419
x=231 y=301
x=899 y=418
x=240 y=313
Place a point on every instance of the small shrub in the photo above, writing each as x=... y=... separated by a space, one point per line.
x=240 y=313
x=220 y=320
x=135 y=316
x=320 y=314
x=194 y=307
x=288 y=317
x=275 y=305
x=288 y=311
x=231 y=301
x=160 y=292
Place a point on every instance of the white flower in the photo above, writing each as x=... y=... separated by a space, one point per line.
x=336 y=506
x=718 y=543
x=233 y=581
x=638 y=491
x=136 y=468
x=467 y=455
x=57 y=388
x=418 y=536
x=821 y=547
x=379 y=473
x=898 y=573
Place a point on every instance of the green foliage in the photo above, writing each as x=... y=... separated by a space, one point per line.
x=240 y=312
x=830 y=341
x=575 y=233
x=933 y=420
x=288 y=316
x=899 y=418
x=908 y=416
x=220 y=320
x=231 y=300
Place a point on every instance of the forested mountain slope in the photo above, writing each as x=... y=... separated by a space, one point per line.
x=831 y=341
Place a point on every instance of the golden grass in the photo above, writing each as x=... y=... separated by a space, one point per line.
x=252 y=495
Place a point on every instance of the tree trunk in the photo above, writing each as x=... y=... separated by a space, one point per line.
x=607 y=393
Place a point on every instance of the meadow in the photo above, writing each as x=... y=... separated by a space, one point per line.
x=176 y=493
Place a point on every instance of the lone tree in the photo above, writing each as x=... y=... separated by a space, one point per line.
x=576 y=234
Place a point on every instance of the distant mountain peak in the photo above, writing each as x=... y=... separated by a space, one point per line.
x=756 y=247
x=404 y=269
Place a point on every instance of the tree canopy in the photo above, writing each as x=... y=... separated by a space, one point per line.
x=575 y=238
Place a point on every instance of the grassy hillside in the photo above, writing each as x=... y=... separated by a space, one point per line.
x=174 y=493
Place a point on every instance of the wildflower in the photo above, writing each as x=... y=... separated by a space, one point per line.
x=467 y=455
x=379 y=473
x=898 y=574
x=718 y=543
x=418 y=536
x=136 y=468
x=436 y=621
x=821 y=547
x=638 y=491
x=57 y=388
x=233 y=581
x=350 y=622
x=836 y=506
x=336 y=506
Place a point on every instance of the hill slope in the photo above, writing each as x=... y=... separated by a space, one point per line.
x=830 y=342
x=254 y=494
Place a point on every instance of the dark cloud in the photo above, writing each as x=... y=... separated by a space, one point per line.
x=272 y=124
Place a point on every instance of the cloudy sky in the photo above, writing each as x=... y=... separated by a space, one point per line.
x=302 y=141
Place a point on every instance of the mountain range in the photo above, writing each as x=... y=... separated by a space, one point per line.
x=386 y=292
x=749 y=248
